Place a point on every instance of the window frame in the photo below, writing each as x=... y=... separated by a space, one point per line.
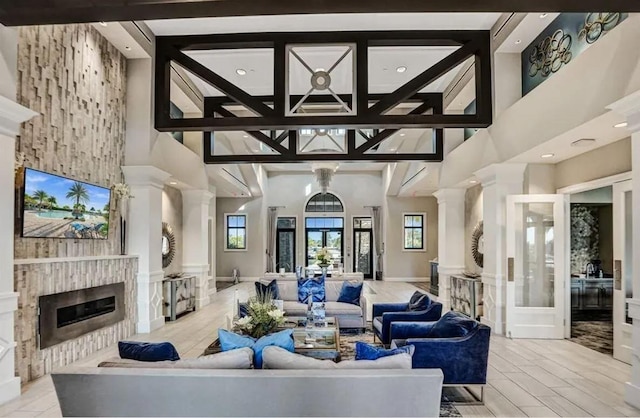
x=423 y=215
x=226 y=231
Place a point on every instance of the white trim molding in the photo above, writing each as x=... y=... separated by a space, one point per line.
x=406 y=279
x=246 y=232
x=12 y=115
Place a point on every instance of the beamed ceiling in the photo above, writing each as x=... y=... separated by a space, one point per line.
x=30 y=12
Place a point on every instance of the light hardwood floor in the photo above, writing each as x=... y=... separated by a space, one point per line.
x=525 y=378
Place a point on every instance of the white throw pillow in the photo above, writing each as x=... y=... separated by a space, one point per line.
x=278 y=358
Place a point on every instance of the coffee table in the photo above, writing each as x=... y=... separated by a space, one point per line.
x=317 y=341
x=320 y=340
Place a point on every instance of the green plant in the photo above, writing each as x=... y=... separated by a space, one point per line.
x=262 y=318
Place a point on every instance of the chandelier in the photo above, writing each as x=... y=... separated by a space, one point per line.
x=324 y=173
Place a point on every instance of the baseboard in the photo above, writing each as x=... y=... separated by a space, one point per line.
x=632 y=394
x=224 y=279
x=406 y=279
x=9 y=390
x=146 y=327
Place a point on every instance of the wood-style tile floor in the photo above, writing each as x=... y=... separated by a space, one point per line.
x=526 y=377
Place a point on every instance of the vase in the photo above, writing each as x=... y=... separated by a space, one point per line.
x=324 y=267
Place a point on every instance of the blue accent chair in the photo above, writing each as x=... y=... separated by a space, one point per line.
x=386 y=313
x=463 y=359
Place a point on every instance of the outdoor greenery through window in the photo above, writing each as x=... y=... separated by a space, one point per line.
x=236 y=232
x=413 y=232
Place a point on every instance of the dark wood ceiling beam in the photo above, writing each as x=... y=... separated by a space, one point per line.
x=310 y=157
x=37 y=12
x=220 y=83
x=273 y=144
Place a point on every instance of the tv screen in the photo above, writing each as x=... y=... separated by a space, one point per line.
x=58 y=207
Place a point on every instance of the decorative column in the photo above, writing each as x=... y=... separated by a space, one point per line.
x=498 y=181
x=450 y=240
x=195 y=230
x=11 y=115
x=144 y=239
x=630 y=108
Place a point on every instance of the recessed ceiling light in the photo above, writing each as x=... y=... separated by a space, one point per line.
x=128 y=48
x=620 y=125
x=547 y=155
x=543 y=15
x=392 y=149
x=173 y=183
x=401 y=69
x=402 y=134
x=473 y=181
x=518 y=41
x=320 y=69
x=103 y=23
x=584 y=142
x=241 y=71
x=245 y=136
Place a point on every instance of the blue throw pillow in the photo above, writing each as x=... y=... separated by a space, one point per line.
x=231 y=341
x=311 y=286
x=135 y=350
x=419 y=302
x=271 y=288
x=350 y=292
x=452 y=325
x=366 y=351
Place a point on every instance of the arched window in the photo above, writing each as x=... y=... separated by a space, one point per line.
x=326 y=202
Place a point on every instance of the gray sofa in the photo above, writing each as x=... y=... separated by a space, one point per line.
x=349 y=316
x=198 y=392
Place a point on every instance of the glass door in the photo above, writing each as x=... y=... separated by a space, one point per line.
x=536 y=265
x=286 y=244
x=321 y=233
x=622 y=270
x=362 y=244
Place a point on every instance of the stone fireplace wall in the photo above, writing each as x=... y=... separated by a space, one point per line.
x=76 y=80
x=37 y=277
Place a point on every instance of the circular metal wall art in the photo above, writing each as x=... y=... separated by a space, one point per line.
x=477 y=244
x=168 y=245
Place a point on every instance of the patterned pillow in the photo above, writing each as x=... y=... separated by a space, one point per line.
x=271 y=288
x=230 y=341
x=314 y=287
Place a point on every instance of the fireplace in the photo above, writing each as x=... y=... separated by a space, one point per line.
x=68 y=315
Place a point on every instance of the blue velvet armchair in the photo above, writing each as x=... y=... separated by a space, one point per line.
x=386 y=313
x=463 y=358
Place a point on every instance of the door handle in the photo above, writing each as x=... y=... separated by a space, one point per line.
x=617 y=274
x=510 y=269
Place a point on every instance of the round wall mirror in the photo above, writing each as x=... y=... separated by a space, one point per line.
x=168 y=244
x=477 y=244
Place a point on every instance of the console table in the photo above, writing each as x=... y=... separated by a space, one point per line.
x=179 y=296
x=466 y=296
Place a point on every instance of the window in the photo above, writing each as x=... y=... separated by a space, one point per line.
x=236 y=226
x=286 y=244
x=413 y=228
x=324 y=203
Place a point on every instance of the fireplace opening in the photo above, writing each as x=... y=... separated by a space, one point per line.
x=68 y=315
x=86 y=310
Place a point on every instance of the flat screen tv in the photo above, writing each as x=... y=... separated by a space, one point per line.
x=59 y=207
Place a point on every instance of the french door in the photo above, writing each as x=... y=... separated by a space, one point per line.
x=321 y=233
x=537 y=265
x=622 y=270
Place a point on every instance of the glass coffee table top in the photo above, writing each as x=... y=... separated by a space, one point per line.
x=324 y=336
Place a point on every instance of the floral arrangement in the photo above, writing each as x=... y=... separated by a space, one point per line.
x=263 y=317
x=122 y=191
x=323 y=256
x=20 y=157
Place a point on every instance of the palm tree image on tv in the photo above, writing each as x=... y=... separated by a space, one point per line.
x=79 y=193
x=56 y=207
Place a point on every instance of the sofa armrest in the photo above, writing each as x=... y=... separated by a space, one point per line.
x=380 y=308
x=409 y=329
x=363 y=306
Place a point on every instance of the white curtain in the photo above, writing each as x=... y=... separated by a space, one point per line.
x=377 y=241
x=272 y=219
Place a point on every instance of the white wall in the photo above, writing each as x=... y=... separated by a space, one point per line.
x=472 y=215
x=172 y=214
x=250 y=262
x=400 y=264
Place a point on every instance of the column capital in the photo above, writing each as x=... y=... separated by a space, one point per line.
x=12 y=115
x=197 y=196
x=504 y=173
x=629 y=107
x=145 y=175
x=450 y=194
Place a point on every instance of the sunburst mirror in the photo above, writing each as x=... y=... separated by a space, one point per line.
x=168 y=245
x=477 y=244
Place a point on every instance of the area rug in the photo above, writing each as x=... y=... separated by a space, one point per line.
x=596 y=335
x=348 y=340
